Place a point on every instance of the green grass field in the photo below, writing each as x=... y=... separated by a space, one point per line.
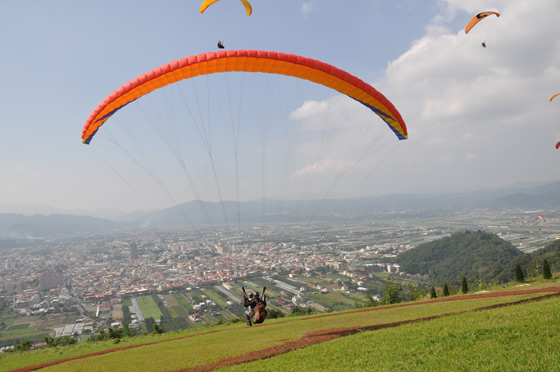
x=18 y=330
x=516 y=338
x=479 y=338
x=215 y=297
x=183 y=302
x=149 y=307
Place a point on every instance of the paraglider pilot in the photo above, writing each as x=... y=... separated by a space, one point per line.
x=220 y=45
x=250 y=304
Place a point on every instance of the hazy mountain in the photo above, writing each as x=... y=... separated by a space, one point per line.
x=33 y=209
x=23 y=225
x=18 y=226
x=541 y=197
x=424 y=205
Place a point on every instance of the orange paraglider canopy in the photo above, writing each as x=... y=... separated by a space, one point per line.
x=477 y=18
x=246 y=61
x=205 y=4
x=554 y=96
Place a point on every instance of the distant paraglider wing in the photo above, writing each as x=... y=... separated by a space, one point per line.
x=540 y=218
x=206 y=3
x=248 y=7
x=557 y=145
x=477 y=18
x=247 y=61
x=554 y=96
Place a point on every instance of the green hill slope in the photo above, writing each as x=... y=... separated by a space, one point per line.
x=479 y=256
x=532 y=262
x=516 y=338
x=204 y=349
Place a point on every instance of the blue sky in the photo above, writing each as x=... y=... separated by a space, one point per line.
x=477 y=117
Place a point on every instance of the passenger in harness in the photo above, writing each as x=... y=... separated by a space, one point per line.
x=255 y=307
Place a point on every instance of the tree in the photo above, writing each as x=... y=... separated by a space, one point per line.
x=116 y=332
x=445 y=290
x=546 y=270
x=102 y=335
x=391 y=294
x=414 y=292
x=433 y=293
x=274 y=314
x=157 y=329
x=127 y=331
x=464 y=287
x=149 y=322
x=65 y=341
x=298 y=310
x=519 y=274
x=371 y=302
x=24 y=345
x=49 y=340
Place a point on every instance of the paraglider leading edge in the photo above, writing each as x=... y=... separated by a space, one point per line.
x=247 y=61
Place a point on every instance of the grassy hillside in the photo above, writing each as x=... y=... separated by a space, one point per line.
x=449 y=334
x=477 y=255
x=516 y=338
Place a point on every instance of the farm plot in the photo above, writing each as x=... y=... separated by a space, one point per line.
x=149 y=307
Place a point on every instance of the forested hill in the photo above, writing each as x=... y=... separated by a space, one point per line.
x=532 y=263
x=475 y=255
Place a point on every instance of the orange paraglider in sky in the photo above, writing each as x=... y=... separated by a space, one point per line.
x=206 y=3
x=554 y=96
x=247 y=61
x=477 y=18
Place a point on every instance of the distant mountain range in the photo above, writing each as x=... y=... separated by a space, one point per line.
x=48 y=221
x=18 y=226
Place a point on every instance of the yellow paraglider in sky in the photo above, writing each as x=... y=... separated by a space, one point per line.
x=207 y=3
x=477 y=18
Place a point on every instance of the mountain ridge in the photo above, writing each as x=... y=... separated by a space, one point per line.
x=200 y=213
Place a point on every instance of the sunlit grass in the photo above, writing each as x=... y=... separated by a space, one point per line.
x=515 y=338
x=229 y=340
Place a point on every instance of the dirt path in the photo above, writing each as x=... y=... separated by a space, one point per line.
x=324 y=335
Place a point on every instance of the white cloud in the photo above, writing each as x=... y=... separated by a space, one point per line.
x=317 y=167
x=309 y=109
x=487 y=106
x=307 y=8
